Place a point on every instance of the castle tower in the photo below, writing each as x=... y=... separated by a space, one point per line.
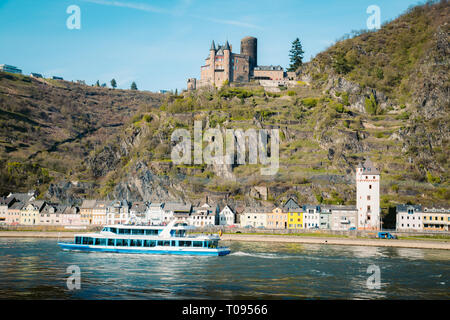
x=212 y=62
x=249 y=47
x=227 y=61
x=368 y=196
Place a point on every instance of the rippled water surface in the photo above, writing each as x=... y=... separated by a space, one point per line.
x=36 y=269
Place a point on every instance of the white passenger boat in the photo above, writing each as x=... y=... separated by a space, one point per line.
x=170 y=239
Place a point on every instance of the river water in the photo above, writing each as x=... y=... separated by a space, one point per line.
x=37 y=269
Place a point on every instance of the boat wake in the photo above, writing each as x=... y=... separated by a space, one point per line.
x=261 y=255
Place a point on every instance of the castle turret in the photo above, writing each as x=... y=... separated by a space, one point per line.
x=249 y=47
x=227 y=61
x=212 y=62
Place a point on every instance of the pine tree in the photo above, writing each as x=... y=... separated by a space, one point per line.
x=134 y=86
x=113 y=83
x=97 y=84
x=296 y=55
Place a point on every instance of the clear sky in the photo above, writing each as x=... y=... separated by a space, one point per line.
x=160 y=43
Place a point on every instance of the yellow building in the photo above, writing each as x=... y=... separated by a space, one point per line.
x=86 y=211
x=99 y=213
x=277 y=219
x=436 y=219
x=295 y=219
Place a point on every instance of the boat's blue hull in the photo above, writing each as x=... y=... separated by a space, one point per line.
x=156 y=250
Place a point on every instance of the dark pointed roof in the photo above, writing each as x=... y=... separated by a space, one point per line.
x=369 y=167
x=227 y=46
x=213 y=46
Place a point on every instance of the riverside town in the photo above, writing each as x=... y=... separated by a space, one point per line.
x=25 y=209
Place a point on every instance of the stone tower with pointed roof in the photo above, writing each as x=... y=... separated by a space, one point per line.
x=368 y=196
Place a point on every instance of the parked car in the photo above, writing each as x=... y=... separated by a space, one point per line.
x=386 y=235
x=260 y=227
x=352 y=228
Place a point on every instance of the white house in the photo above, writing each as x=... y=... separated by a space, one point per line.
x=409 y=218
x=203 y=216
x=255 y=217
x=118 y=212
x=176 y=210
x=368 y=196
x=138 y=211
x=227 y=216
x=311 y=217
x=155 y=213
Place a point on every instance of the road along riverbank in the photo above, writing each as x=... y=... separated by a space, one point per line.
x=419 y=244
x=38 y=234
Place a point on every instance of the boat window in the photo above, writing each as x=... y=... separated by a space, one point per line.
x=121 y=231
x=85 y=240
x=120 y=242
x=90 y=241
x=151 y=232
x=185 y=243
x=110 y=242
x=113 y=230
x=160 y=243
x=77 y=240
x=173 y=244
x=178 y=233
x=106 y=229
x=198 y=244
x=135 y=243
x=166 y=243
x=212 y=244
x=101 y=242
x=150 y=243
x=138 y=231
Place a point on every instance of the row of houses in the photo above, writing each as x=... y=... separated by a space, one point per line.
x=24 y=209
x=417 y=218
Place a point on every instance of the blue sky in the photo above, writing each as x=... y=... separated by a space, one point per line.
x=159 y=44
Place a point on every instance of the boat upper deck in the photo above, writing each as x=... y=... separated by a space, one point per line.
x=172 y=230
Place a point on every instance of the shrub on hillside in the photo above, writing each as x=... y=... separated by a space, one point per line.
x=310 y=102
x=371 y=105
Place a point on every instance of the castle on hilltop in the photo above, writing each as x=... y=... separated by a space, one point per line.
x=222 y=65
